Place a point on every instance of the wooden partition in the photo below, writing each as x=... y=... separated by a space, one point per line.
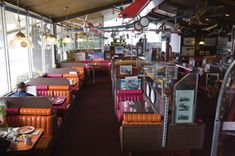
x=49 y=81
x=71 y=64
x=66 y=70
x=27 y=102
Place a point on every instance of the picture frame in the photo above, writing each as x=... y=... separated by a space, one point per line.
x=212 y=78
x=188 y=50
x=124 y=85
x=119 y=50
x=125 y=70
x=184 y=106
x=189 y=41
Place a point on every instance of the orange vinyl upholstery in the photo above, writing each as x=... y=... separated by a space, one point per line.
x=59 y=88
x=137 y=118
x=36 y=111
x=37 y=121
x=81 y=71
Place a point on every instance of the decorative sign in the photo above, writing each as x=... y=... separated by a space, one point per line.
x=188 y=50
x=184 y=100
x=189 y=41
x=126 y=70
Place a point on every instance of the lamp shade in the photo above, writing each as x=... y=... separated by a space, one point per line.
x=201 y=43
x=67 y=39
x=50 y=39
x=20 y=41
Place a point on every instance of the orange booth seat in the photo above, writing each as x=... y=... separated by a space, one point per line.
x=56 y=91
x=141 y=118
x=38 y=118
x=81 y=72
x=74 y=81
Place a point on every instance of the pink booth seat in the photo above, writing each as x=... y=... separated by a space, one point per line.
x=55 y=75
x=126 y=95
x=56 y=92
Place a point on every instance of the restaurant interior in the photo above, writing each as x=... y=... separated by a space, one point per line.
x=117 y=78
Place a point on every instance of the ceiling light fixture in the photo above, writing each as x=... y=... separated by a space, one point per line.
x=20 y=40
x=201 y=43
x=50 y=38
x=67 y=39
x=226 y=14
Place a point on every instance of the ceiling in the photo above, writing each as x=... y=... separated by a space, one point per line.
x=209 y=10
x=75 y=8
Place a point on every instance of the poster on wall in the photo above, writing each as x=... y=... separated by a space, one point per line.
x=126 y=70
x=184 y=100
x=188 y=50
x=131 y=83
x=189 y=41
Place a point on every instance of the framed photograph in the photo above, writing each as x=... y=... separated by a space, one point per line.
x=119 y=50
x=126 y=70
x=132 y=83
x=188 y=50
x=161 y=72
x=212 y=78
x=107 y=55
x=184 y=101
x=189 y=41
x=172 y=72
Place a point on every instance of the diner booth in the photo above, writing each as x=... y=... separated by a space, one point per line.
x=123 y=77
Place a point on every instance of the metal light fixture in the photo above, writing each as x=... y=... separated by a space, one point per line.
x=20 y=40
x=50 y=38
x=67 y=38
x=201 y=43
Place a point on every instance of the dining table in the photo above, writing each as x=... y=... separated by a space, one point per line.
x=35 y=137
x=21 y=145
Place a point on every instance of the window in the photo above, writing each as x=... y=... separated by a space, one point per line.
x=35 y=33
x=18 y=58
x=48 y=50
x=3 y=72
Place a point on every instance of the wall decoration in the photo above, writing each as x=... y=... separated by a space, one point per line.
x=172 y=72
x=126 y=70
x=184 y=101
x=132 y=83
x=189 y=41
x=119 y=50
x=161 y=71
x=96 y=55
x=126 y=84
x=188 y=50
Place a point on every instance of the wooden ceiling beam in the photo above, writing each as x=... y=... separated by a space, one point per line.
x=82 y=13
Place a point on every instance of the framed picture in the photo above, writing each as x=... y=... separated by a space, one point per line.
x=119 y=50
x=107 y=55
x=188 y=50
x=126 y=70
x=172 y=72
x=161 y=72
x=130 y=83
x=212 y=78
x=189 y=41
x=184 y=101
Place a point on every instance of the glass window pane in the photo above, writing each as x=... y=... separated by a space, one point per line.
x=35 y=33
x=3 y=72
x=19 y=61
x=48 y=49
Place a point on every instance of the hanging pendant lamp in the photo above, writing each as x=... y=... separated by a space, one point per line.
x=20 y=40
x=50 y=38
x=67 y=38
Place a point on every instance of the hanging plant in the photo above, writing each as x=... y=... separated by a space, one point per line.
x=61 y=43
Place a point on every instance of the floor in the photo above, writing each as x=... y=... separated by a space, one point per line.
x=92 y=130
